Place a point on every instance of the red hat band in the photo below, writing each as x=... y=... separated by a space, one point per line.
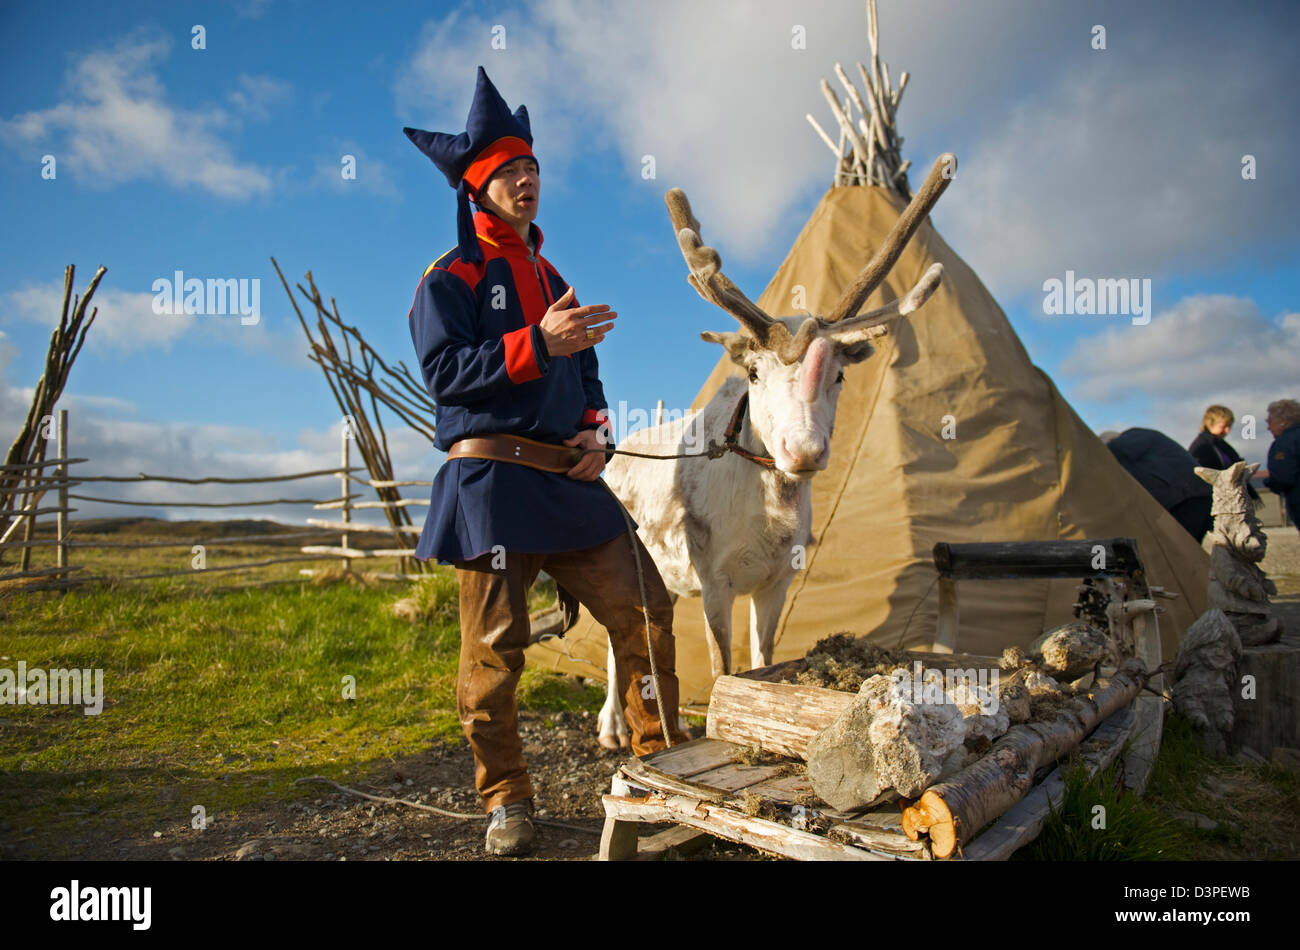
x=501 y=152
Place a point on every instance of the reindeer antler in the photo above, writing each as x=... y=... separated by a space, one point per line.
x=886 y=255
x=714 y=286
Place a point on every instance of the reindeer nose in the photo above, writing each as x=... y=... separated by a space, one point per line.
x=806 y=451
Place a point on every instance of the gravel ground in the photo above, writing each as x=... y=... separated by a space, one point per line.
x=569 y=770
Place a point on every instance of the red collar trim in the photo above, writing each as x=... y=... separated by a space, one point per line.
x=499 y=234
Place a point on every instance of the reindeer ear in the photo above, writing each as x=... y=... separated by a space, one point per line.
x=739 y=346
x=854 y=343
x=1251 y=469
x=856 y=352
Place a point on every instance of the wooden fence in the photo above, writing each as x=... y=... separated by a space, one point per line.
x=37 y=484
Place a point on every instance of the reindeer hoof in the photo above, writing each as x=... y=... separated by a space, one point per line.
x=609 y=742
x=624 y=742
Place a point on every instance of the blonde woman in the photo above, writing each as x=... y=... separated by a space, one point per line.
x=1209 y=448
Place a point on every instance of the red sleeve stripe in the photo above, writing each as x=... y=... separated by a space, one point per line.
x=594 y=417
x=521 y=363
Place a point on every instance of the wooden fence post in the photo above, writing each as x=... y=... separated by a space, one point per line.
x=347 y=487
x=62 y=473
x=25 y=560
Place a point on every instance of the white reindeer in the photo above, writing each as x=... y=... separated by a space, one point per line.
x=728 y=526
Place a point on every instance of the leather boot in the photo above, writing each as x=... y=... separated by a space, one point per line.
x=510 y=831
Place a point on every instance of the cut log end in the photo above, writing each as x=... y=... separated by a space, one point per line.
x=932 y=816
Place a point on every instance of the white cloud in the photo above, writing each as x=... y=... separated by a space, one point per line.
x=126 y=323
x=372 y=176
x=256 y=96
x=1117 y=162
x=1209 y=348
x=115 y=125
x=719 y=106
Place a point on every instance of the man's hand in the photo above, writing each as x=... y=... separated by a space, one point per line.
x=589 y=469
x=565 y=330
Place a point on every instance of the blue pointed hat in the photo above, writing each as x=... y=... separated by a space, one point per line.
x=493 y=137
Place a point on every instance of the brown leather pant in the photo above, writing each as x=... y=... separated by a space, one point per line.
x=494 y=633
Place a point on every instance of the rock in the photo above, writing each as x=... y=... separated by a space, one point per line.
x=1014 y=698
x=1039 y=684
x=1204 y=672
x=1285 y=758
x=270 y=849
x=1013 y=658
x=981 y=708
x=1248 y=756
x=1195 y=819
x=569 y=844
x=884 y=740
x=1070 y=650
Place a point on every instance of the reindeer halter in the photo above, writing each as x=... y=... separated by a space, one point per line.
x=732 y=433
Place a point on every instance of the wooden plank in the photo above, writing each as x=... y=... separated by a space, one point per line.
x=24 y=466
x=1022 y=822
x=350 y=553
x=691 y=758
x=31 y=512
x=788 y=790
x=737 y=776
x=682 y=839
x=640 y=773
x=781 y=717
x=1149 y=709
x=887 y=818
x=618 y=840
x=736 y=826
x=883 y=840
x=356 y=526
x=40 y=572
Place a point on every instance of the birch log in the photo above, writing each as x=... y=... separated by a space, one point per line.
x=952 y=812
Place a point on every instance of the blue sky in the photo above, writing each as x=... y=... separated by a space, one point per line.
x=1122 y=162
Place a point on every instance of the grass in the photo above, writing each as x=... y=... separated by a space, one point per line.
x=225 y=697
x=1257 y=809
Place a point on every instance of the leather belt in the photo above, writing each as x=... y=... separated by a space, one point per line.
x=517 y=449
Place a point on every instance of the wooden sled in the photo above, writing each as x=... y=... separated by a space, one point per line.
x=706 y=787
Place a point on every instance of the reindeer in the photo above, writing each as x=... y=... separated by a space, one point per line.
x=730 y=526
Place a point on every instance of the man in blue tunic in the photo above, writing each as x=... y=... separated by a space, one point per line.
x=509 y=357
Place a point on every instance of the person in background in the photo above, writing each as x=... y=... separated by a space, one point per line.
x=1211 y=451
x=1168 y=472
x=1283 y=422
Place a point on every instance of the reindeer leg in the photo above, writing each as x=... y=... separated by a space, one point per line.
x=765 y=605
x=718 y=598
x=614 y=733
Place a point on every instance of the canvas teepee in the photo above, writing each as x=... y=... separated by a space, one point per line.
x=1018 y=463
